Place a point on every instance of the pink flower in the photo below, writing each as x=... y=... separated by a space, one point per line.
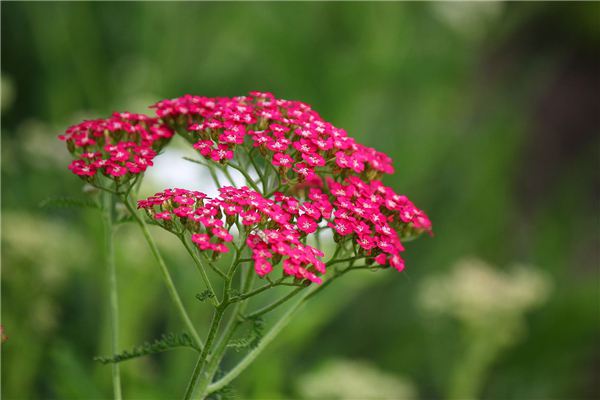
x=343 y=227
x=205 y=147
x=183 y=200
x=262 y=266
x=381 y=259
x=250 y=218
x=397 y=262
x=342 y=159
x=304 y=171
x=165 y=215
x=314 y=159
x=302 y=146
x=306 y=224
x=183 y=211
x=282 y=160
x=202 y=240
x=115 y=170
x=81 y=168
x=222 y=152
x=219 y=247
x=366 y=242
x=222 y=234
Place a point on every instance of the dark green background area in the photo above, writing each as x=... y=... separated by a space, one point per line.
x=490 y=112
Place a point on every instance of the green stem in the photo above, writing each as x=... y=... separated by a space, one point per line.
x=200 y=268
x=214 y=327
x=350 y=259
x=228 y=176
x=212 y=266
x=232 y=324
x=254 y=292
x=273 y=332
x=275 y=304
x=258 y=171
x=214 y=176
x=166 y=275
x=107 y=218
x=251 y=356
x=249 y=179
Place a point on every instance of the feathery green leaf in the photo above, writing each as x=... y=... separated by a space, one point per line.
x=68 y=202
x=166 y=342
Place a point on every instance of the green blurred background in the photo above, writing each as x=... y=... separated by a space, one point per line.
x=489 y=110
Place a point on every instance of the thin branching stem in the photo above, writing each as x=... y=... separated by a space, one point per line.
x=107 y=217
x=171 y=289
x=214 y=328
x=249 y=179
x=275 y=304
x=274 y=331
x=201 y=269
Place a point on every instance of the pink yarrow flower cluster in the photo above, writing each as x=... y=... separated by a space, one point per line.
x=373 y=214
x=119 y=147
x=334 y=179
x=289 y=134
x=272 y=225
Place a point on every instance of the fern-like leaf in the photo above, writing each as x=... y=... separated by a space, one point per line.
x=205 y=295
x=225 y=393
x=68 y=202
x=252 y=339
x=166 y=342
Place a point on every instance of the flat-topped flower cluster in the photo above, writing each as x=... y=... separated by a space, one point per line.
x=273 y=235
x=119 y=147
x=325 y=180
x=289 y=134
x=373 y=214
x=368 y=214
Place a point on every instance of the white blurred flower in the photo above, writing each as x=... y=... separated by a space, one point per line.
x=352 y=380
x=475 y=292
x=490 y=304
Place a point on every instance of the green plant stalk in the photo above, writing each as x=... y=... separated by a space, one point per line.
x=171 y=289
x=201 y=269
x=470 y=372
x=258 y=171
x=275 y=304
x=251 y=356
x=249 y=180
x=199 y=375
x=214 y=327
x=107 y=218
x=228 y=332
x=272 y=334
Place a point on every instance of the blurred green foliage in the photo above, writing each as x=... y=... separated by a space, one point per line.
x=488 y=109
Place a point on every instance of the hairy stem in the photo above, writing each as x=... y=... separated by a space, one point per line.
x=196 y=374
x=274 y=331
x=171 y=289
x=107 y=218
x=251 y=356
x=230 y=328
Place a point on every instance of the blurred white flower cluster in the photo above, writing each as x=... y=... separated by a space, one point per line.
x=477 y=293
x=343 y=379
x=490 y=305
